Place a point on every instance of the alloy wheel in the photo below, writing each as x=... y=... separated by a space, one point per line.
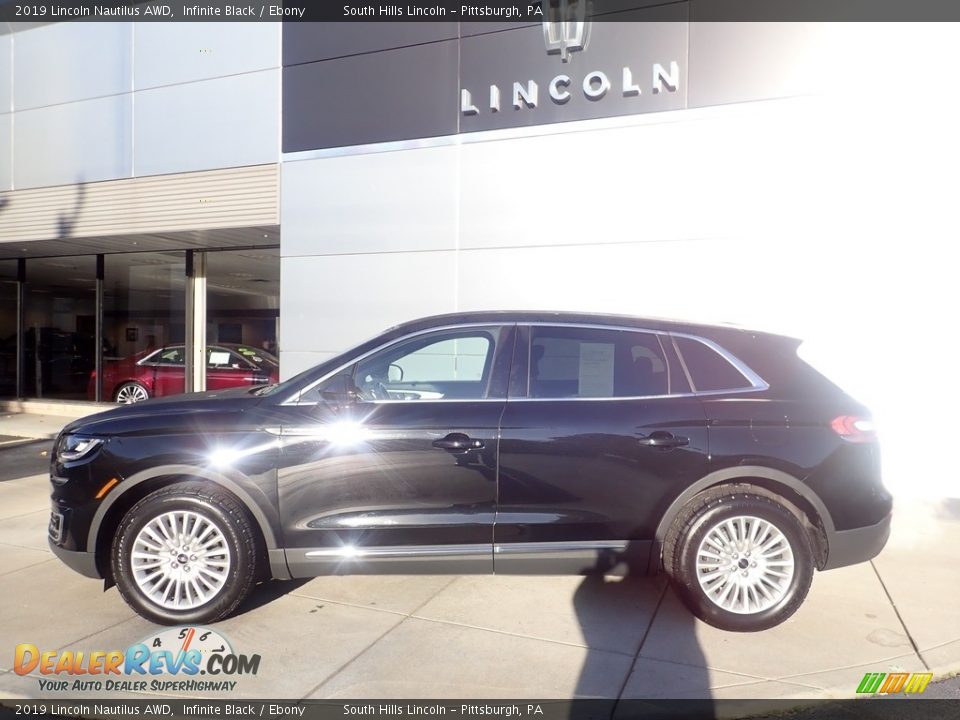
x=180 y=560
x=129 y=394
x=745 y=564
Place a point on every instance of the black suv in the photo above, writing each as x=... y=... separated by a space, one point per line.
x=500 y=442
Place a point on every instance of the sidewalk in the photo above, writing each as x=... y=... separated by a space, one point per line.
x=509 y=636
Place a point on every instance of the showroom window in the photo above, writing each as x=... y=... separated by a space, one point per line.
x=8 y=328
x=59 y=346
x=143 y=312
x=709 y=370
x=445 y=366
x=572 y=362
x=243 y=317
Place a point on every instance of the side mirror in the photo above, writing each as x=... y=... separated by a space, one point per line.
x=340 y=391
x=394 y=373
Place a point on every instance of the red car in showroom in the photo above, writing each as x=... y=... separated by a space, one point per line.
x=158 y=372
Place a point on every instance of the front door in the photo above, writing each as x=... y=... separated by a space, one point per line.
x=391 y=463
x=600 y=431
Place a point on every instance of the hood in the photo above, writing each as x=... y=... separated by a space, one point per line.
x=172 y=413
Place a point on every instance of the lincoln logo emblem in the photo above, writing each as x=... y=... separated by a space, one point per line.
x=565 y=28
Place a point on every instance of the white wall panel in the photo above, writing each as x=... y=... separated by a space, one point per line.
x=6 y=152
x=331 y=303
x=369 y=203
x=170 y=53
x=77 y=142
x=6 y=73
x=292 y=363
x=226 y=122
x=65 y=62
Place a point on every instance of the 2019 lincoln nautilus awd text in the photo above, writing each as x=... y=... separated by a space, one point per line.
x=525 y=442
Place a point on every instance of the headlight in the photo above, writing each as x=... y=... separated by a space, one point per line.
x=74 y=447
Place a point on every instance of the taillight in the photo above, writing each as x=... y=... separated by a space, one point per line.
x=853 y=428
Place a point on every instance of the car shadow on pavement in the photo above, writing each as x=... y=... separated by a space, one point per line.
x=266 y=592
x=630 y=600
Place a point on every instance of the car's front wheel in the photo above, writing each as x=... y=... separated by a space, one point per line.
x=739 y=559
x=185 y=554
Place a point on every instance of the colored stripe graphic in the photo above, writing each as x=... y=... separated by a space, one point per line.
x=894 y=682
x=918 y=683
x=870 y=682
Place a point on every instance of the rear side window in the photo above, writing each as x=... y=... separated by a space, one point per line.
x=570 y=362
x=708 y=369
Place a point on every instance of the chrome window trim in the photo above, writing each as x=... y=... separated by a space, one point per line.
x=757 y=384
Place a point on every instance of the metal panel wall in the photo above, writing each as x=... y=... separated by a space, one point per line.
x=173 y=53
x=239 y=197
x=76 y=142
x=6 y=73
x=66 y=62
x=328 y=303
x=325 y=205
x=6 y=154
x=224 y=122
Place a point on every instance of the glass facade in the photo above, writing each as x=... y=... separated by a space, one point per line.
x=59 y=350
x=8 y=328
x=138 y=304
x=144 y=310
x=243 y=317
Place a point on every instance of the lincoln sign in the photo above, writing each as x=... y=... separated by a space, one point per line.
x=595 y=85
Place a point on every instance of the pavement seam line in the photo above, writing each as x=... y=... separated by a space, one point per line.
x=342 y=603
x=29 y=512
x=27 y=567
x=96 y=632
x=380 y=637
x=633 y=664
x=757 y=678
x=899 y=616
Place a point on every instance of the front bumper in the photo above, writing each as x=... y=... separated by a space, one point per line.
x=84 y=563
x=849 y=547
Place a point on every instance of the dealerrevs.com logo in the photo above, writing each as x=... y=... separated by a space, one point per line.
x=170 y=661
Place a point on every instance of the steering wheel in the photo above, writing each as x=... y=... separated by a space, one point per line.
x=376 y=390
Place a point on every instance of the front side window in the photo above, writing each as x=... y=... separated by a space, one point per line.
x=440 y=366
x=571 y=362
x=167 y=356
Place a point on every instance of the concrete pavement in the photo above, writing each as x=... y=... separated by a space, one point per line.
x=504 y=636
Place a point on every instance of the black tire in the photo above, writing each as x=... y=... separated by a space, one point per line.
x=698 y=517
x=215 y=506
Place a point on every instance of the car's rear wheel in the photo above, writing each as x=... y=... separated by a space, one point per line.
x=739 y=559
x=185 y=554
x=131 y=392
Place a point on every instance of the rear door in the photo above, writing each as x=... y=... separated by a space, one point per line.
x=599 y=434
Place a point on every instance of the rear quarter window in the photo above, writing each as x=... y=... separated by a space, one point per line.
x=709 y=370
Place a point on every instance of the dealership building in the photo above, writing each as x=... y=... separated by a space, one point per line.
x=299 y=187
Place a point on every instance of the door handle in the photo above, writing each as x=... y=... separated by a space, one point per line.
x=661 y=439
x=458 y=442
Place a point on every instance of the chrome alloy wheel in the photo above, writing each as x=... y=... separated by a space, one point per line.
x=745 y=565
x=131 y=393
x=180 y=560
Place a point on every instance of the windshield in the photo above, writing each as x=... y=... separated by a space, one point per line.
x=327 y=366
x=258 y=357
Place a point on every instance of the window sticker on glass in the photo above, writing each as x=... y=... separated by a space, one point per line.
x=596 y=370
x=219 y=358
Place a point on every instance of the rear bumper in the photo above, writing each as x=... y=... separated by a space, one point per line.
x=84 y=563
x=849 y=547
